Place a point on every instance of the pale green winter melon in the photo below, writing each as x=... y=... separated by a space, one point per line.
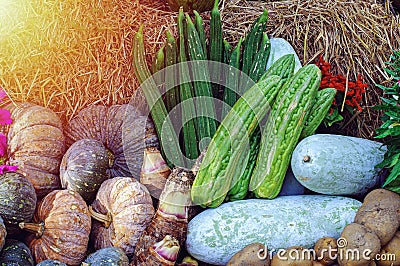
x=279 y=48
x=215 y=235
x=337 y=165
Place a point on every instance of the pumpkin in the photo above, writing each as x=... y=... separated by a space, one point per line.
x=51 y=263
x=121 y=128
x=17 y=200
x=108 y=256
x=16 y=252
x=84 y=167
x=61 y=227
x=36 y=144
x=3 y=233
x=123 y=208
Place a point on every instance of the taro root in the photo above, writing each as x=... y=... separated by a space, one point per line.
x=60 y=228
x=123 y=208
x=390 y=253
x=155 y=170
x=171 y=217
x=164 y=252
x=292 y=256
x=36 y=144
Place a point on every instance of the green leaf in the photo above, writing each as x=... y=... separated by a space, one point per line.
x=393 y=179
x=335 y=117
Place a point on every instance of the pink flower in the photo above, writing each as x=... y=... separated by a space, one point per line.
x=3 y=94
x=3 y=145
x=8 y=168
x=5 y=117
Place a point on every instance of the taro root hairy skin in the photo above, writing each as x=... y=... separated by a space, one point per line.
x=380 y=212
x=357 y=237
x=289 y=257
x=389 y=250
x=252 y=254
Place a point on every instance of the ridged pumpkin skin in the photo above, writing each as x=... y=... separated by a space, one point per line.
x=85 y=165
x=121 y=128
x=17 y=200
x=36 y=144
x=130 y=207
x=108 y=256
x=3 y=233
x=16 y=253
x=51 y=263
x=66 y=231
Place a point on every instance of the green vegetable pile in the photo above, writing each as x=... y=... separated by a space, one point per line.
x=243 y=155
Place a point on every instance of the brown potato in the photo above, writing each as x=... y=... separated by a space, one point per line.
x=380 y=212
x=390 y=253
x=357 y=245
x=293 y=256
x=254 y=254
x=326 y=250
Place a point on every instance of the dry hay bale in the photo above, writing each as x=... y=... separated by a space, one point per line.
x=68 y=54
x=356 y=37
x=72 y=53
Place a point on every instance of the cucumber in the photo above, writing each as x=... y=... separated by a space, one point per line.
x=337 y=165
x=215 y=235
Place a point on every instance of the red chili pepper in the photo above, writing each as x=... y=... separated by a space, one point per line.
x=354 y=89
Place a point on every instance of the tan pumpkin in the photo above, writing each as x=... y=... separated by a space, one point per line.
x=36 y=144
x=61 y=227
x=3 y=233
x=122 y=210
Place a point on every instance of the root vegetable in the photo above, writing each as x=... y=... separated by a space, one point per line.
x=326 y=250
x=358 y=245
x=255 y=254
x=293 y=256
x=390 y=253
x=380 y=212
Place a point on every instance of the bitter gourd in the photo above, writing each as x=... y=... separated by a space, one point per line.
x=323 y=101
x=282 y=131
x=223 y=161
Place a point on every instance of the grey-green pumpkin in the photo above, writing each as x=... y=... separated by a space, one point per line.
x=16 y=253
x=85 y=165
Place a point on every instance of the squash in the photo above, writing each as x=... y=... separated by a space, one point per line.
x=51 y=263
x=215 y=235
x=122 y=210
x=121 y=129
x=36 y=144
x=84 y=167
x=3 y=233
x=17 y=200
x=61 y=227
x=327 y=164
x=16 y=252
x=107 y=256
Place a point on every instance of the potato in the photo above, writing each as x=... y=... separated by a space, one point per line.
x=357 y=245
x=390 y=253
x=254 y=254
x=326 y=250
x=293 y=256
x=380 y=212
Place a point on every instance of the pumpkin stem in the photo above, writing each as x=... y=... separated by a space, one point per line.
x=37 y=229
x=111 y=158
x=106 y=219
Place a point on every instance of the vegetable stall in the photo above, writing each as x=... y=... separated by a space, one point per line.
x=199 y=133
